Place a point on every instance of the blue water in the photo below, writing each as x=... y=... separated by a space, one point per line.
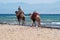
x=51 y=20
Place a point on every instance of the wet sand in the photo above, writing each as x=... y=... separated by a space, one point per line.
x=16 y=32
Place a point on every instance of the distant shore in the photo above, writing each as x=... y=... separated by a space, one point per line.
x=16 y=32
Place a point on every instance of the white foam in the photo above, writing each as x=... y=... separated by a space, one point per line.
x=43 y=23
x=55 y=22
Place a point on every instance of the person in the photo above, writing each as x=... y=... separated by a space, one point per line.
x=35 y=17
x=20 y=15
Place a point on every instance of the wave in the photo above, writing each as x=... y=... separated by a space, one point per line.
x=10 y=16
x=50 y=23
x=55 y=22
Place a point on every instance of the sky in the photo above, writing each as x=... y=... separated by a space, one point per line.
x=51 y=8
x=29 y=1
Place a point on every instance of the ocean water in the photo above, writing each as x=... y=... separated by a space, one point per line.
x=50 y=20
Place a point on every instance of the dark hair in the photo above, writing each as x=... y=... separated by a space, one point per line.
x=19 y=8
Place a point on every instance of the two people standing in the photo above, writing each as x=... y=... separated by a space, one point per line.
x=34 y=17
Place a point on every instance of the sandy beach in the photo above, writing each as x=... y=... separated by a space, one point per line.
x=16 y=32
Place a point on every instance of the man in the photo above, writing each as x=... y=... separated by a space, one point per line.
x=20 y=15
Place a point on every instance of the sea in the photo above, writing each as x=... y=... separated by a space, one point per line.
x=50 y=20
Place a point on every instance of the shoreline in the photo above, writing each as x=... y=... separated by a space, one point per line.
x=43 y=26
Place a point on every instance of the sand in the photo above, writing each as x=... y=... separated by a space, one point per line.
x=16 y=32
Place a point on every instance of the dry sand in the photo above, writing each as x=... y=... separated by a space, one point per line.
x=15 y=32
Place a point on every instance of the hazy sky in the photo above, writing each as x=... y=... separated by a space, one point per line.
x=51 y=8
x=30 y=1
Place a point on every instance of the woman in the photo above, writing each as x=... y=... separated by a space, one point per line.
x=35 y=17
